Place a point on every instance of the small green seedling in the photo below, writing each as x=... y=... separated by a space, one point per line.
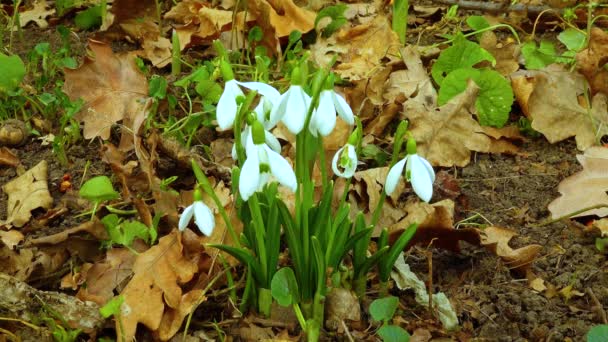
x=400 y=9
x=97 y=190
x=124 y=232
x=12 y=70
x=336 y=13
x=112 y=308
x=383 y=310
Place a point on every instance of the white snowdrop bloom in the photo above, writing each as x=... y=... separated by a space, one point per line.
x=271 y=141
x=203 y=217
x=323 y=118
x=291 y=109
x=261 y=163
x=418 y=171
x=227 y=107
x=345 y=161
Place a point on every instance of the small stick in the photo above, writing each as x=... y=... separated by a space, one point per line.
x=493 y=7
x=598 y=305
x=429 y=254
x=346 y=331
x=597 y=206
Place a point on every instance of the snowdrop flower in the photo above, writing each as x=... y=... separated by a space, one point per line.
x=227 y=106
x=418 y=171
x=323 y=119
x=271 y=141
x=293 y=105
x=261 y=163
x=345 y=159
x=203 y=217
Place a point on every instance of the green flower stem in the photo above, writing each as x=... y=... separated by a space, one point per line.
x=299 y=316
x=322 y=164
x=359 y=285
x=204 y=182
x=238 y=123
x=260 y=233
x=264 y=301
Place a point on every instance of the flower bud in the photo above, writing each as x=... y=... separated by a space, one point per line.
x=258 y=133
x=226 y=69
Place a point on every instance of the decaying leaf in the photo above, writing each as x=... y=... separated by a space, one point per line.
x=94 y=227
x=586 y=188
x=199 y=21
x=505 y=53
x=26 y=193
x=155 y=47
x=496 y=239
x=38 y=14
x=446 y=136
x=550 y=98
x=591 y=61
x=110 y=84
x=158 y=275
x=283 y=15
x=8 y=158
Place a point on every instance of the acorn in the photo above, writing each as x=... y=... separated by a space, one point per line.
x=13 y=133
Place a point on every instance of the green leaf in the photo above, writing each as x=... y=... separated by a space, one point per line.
x=67 y=62
x=386 y=264
x=112 y=307
x=601 y=244
x=336 y=13
x=284 y=287
x=12 y=70
x=393 y=333
x=89 y=18
x=383 y=309
x=462 y=54
x=209 y=90
x=157 y=87
x=98 y=189
x=477 y=22
x=255 y=34
x=134 y=229
x=598 y=333
x=495 y=94
x=400 y=9
x=573 y=39
x=538 y=57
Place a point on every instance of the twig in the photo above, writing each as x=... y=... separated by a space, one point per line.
x=494 y=7
x=598 y=306
x=346 y=331
x=429 y=254
x=597 y=206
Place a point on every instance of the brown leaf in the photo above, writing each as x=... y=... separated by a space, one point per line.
x=591 y=61
x=11 y=238
x=586 y=188
x=155 y=47
x=26 y=193
x=284 y=16
x=496 y=239
x=156 y=286
x=506 y=54
x=8 y=158
x=95 y=228
x=37 y=14
x=111 y=86
x=447 y=135
x=550 y=98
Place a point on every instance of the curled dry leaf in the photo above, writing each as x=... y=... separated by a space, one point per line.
x=95 y=228
x=199 y=21
x=591 y=61
x=496 y=239
x=155 y=47
x=359 y=50
x=446 y=135
x=154 y=295
x=8 y=158
x=550 y=98
x=26 y=193
x=586 y=188
x=111 y=86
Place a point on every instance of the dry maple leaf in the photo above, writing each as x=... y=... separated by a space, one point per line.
x=154 y=294
x=586 y=188
x=550 y=98
x=111 y=86
x=446 y=136
x=26 y=193
x=591 y=62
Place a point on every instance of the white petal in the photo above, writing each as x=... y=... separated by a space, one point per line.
x=349 y=169
x=250 y=175
x=392 y=179
x=296 y=108
x=324 y=117
x=429 y=168
x=273 y=142
x=421 y=180
x=281 y=169
x=343 y=109
x=203 y=217
x=185 y=218
x=278 y=110
x=250 y=147
x=227 y=107
x=263 y=89
x=334 y=162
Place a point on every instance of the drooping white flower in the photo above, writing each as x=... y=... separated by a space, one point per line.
x=345 y=159
x=292 y=108
x=203 y=217
x=271 y=141
x=227 y=107
x=323 y=119
x=261 y=163
x=418 y=171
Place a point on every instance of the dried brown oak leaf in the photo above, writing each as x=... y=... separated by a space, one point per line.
x=154 y=296
x=446 y=135
x=586 y=188
x=550 y=98
x=591 y=62
x=26 y=193
x=38 y=14
x=111 y=86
